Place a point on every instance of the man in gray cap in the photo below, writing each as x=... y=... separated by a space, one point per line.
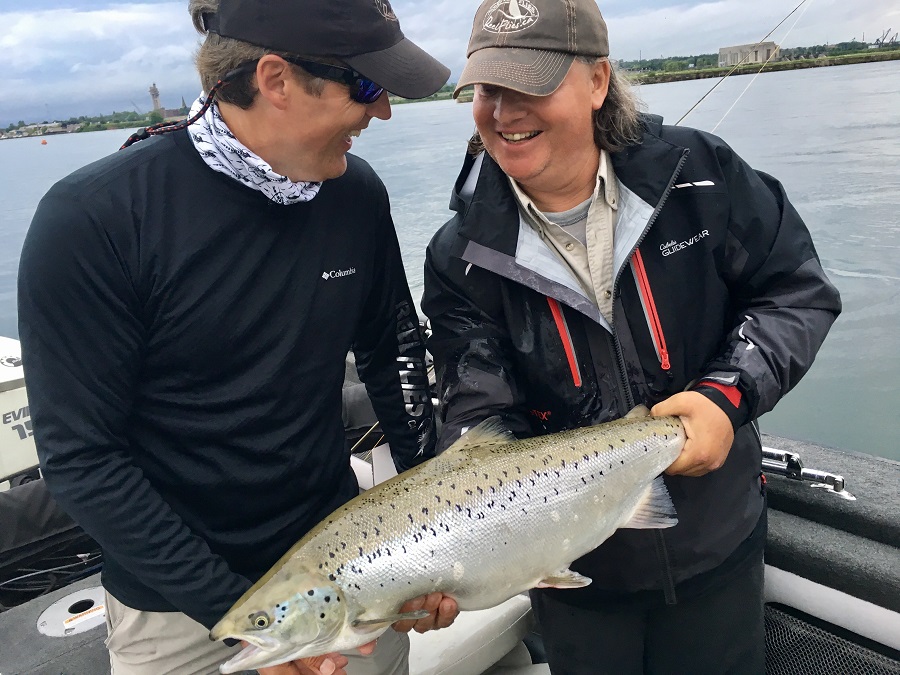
x=186 y=306
x=599 y=260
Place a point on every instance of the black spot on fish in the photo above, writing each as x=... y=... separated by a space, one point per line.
x=310 y=592
x=322 y=615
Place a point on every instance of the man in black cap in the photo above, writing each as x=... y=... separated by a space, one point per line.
x=599 y=260
x=186 y=306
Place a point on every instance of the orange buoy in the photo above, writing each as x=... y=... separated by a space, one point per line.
x=44 y=142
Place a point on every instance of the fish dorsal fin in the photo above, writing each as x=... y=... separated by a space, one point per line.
x=491 y=431
x=564 y=579
x=655 y=510
x=637 y=411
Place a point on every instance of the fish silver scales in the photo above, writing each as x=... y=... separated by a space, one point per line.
x=455 y=524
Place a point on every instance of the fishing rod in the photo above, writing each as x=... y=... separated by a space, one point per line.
x=744 y=60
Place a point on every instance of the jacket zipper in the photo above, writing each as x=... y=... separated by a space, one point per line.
x=623 y=382
x=653 y=322
x=662 y=551
x=566 y=338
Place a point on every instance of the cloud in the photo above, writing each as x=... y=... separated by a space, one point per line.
x=72 y=57
x=89 y=61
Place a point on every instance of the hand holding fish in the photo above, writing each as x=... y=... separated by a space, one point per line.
x=442 y=612
x=709 y=433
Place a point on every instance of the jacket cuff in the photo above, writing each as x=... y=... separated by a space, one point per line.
x=729 y=399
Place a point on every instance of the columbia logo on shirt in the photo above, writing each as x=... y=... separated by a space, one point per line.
x=336 y=274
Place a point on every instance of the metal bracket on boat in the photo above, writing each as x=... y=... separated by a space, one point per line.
x=790 y=465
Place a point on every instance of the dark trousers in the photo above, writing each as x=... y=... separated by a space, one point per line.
x=713 y=633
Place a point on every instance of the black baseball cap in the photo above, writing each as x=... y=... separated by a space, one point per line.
x=529 y=45
x=364 y=34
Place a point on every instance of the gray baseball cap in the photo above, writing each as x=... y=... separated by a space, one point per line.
x=529 y=45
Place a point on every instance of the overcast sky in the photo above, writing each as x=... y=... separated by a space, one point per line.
x=63 y=58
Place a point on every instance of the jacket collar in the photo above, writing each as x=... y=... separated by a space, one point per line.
x=489 y=215
x=493 y=237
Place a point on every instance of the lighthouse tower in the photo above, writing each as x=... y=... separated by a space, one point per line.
x=154 y=94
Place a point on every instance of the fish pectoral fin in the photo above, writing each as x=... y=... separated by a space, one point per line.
x=492 y=430
x=565 y=579
x=637 y=411
x=655 y=510
x=393 y=618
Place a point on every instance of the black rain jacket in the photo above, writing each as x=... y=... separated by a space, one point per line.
x=716 y=277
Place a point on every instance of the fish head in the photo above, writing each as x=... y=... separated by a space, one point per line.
x=289 y=617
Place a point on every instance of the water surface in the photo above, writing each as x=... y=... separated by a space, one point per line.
x=831 y=135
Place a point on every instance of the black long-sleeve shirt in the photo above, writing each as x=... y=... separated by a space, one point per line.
x=184 y=341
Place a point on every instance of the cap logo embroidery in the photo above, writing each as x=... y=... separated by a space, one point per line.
x=510 y=16
x=384 y=8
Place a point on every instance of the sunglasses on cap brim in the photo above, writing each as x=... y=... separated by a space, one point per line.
x=362 y=89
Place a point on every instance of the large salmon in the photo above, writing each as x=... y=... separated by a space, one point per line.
x=489 y=518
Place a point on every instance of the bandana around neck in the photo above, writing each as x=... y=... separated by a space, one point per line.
x=224 y=153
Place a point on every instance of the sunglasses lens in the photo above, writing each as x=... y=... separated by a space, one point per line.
x=368 y=92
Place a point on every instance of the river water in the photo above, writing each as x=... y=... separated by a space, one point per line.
x=831 y=135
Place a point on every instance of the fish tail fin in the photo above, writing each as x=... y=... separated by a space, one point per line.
x=655 y=510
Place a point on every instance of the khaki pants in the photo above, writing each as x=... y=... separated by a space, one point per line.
x=170 y=643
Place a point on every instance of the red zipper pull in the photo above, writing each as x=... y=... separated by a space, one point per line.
x=664 y=360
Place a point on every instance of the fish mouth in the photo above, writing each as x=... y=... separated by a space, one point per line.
x=258 y=654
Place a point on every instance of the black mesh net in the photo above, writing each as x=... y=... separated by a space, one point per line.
x=796 y=647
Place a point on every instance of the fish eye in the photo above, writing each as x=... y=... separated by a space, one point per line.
x=260 y=620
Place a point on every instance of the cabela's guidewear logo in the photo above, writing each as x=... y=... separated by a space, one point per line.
x=384 y=8
x=673 y=246
x=510 y=16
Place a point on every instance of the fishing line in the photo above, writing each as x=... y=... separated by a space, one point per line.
x=739 y=64
x=772 y=56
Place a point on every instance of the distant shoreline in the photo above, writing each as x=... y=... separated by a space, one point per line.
x=753 y=68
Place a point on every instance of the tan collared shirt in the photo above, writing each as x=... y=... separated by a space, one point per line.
x=590 y=262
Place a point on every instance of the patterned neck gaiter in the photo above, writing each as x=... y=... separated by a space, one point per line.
x=224 y=153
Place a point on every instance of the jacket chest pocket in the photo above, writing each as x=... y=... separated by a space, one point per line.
x=565 y=337
x=648 y=304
